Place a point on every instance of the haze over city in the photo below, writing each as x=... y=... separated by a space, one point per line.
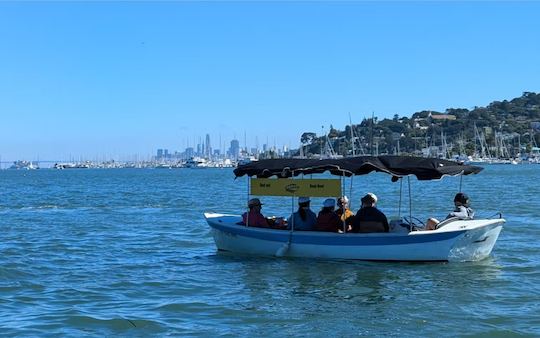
x=101 y=79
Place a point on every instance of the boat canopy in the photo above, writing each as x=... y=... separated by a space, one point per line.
x=397 y=166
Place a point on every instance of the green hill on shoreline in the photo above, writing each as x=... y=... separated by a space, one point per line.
x=503 y=129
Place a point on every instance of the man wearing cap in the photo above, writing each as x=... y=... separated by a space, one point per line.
x=328 y=220
x=304 y=218
x=369 y=218
x=254 y=218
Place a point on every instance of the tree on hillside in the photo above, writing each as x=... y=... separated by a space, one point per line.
x=307 y=138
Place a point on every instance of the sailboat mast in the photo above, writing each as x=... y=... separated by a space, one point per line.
x=352 y=136
x=371 y=132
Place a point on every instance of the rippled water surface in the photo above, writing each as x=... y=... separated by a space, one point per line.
x=128 y=253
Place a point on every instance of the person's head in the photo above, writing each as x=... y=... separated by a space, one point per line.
x=329 y=204
x=343 y=202
x=303 y=202
x=369 y=200
x=461 y=199
x=254 y=203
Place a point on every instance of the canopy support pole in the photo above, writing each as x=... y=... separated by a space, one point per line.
x=400 y=194
x=350 y=190
x=343 y=206
x=285 y=248
x=410 y=199
x=247 y=202
x=292 y=213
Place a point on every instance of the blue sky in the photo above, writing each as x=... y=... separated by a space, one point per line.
x=99 y=79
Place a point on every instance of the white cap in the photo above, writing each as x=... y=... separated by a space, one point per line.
x=303 y=199
x=343 y=199
x=373 y=196
x=329 y=202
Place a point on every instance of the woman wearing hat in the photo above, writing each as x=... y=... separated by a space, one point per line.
x=253 y=217
x=304 y=218
x=461 y=211
x=328 y=220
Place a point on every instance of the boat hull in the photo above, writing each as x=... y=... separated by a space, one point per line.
x=457 y=241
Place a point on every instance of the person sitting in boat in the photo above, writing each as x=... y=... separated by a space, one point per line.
x=369 y=218
x=461 y=211
x=254 y=218
x=328 y=220
x=345 y=214
x=304 y=218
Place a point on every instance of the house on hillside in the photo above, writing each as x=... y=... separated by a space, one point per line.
x=440 y=117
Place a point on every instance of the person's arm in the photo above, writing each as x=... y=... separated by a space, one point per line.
x=259 y=221
x=385 y=223
x=459 y=212
x=289 y=221
x=355 y=222
x=470 y=213
x=381 y=217
x=338 y=223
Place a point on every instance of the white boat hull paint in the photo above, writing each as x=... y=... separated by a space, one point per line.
x=460 y=240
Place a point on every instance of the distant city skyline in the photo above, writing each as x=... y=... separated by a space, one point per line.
x=122 y=79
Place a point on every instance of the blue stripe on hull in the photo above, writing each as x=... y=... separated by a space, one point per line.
x=318 y=238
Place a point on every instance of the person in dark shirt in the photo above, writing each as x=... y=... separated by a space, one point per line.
x=369 y=218
x=328 y=220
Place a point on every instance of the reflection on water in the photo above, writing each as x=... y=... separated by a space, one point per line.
x=353 y=293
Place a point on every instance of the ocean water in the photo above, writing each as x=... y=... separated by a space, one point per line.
x=128 y=253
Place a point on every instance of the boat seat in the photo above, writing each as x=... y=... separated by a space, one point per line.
x=371 y=226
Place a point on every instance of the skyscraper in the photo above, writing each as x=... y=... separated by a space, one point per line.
x=235 y=149
x=208 y=148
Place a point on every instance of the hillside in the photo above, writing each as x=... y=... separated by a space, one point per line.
x=498 y=129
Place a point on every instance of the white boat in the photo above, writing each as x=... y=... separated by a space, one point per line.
x=71 y=165
x=453 y=240
x=458 y=240
x=24 y=165
x=196 y=163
